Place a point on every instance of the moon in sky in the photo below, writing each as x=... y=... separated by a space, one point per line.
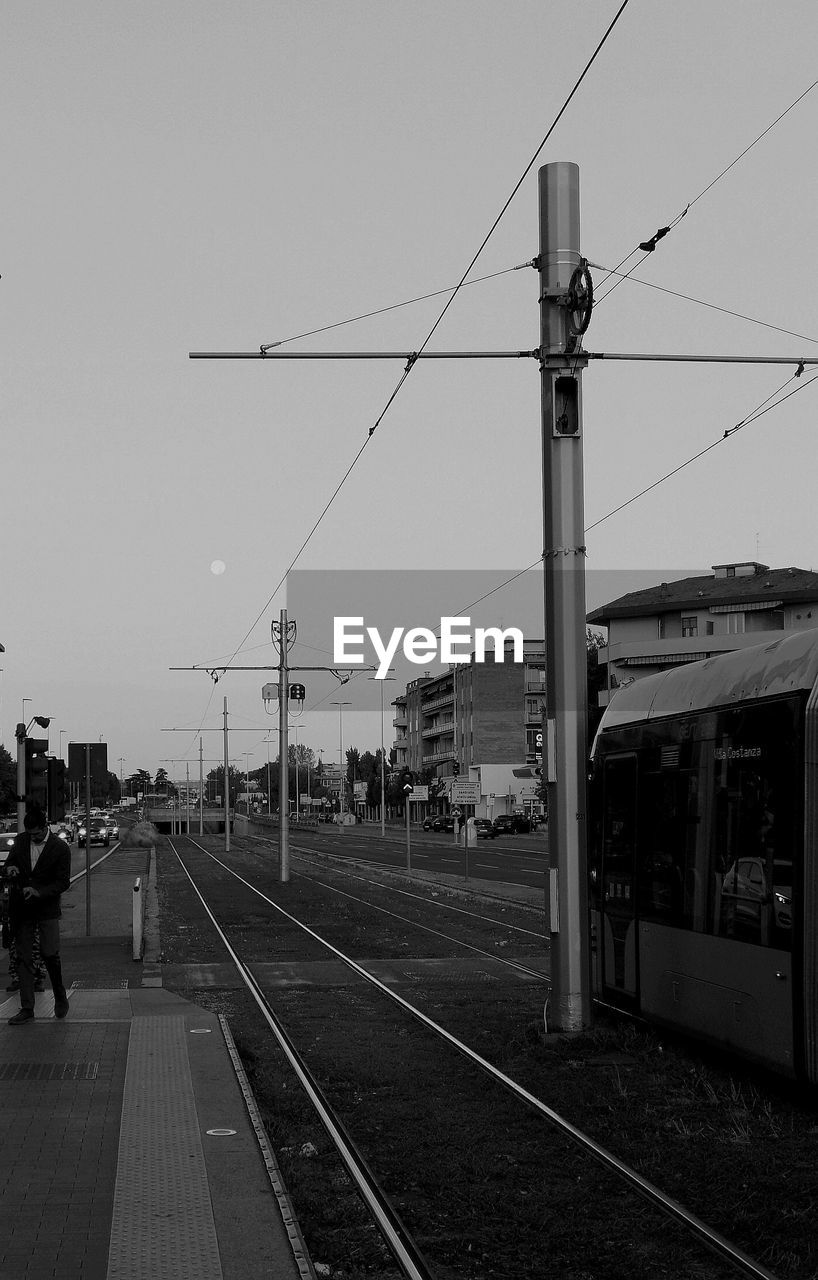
x=218 y=567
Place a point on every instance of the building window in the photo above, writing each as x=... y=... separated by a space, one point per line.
x=690 y=626
x=735 y=624
x=662 y=627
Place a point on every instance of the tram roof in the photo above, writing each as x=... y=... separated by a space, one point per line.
x=766 y=670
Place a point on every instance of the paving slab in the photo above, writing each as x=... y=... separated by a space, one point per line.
x=127 y=1132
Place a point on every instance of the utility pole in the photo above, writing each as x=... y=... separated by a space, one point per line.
x=226 y=784
x=283 y=637
x=565 y=305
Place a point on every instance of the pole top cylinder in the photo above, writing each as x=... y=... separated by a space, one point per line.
x=559 y=247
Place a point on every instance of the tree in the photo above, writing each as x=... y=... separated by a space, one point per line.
x=8 y=781
x=597 y=674
x=216 y=778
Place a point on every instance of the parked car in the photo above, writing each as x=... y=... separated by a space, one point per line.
x=443 y=824
x=97 y=834
x=485 y=829
x=511 y=824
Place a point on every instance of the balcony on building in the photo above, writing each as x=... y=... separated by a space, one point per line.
x=436 y=730
x=440 y=700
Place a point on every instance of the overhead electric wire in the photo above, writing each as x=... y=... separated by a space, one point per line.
x=756 y=413
x=686 y=297
x=413 y=358
x=395 y=306
x=663 y=231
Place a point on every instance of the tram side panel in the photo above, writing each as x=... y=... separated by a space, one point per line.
x=695 y=870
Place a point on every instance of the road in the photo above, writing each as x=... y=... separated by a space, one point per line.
x=520 y=860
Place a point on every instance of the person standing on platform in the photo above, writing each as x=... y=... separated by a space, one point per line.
x=39 y=872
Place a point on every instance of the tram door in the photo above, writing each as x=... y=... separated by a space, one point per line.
x=617 y=940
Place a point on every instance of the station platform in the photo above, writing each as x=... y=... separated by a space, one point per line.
x=131 y=1148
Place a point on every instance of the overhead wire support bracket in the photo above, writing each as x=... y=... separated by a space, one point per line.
x=634 y=355
x=409 y=356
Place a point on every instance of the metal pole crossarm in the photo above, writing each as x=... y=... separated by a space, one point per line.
x=628 y=355
x=207 y=670
x=362 y=355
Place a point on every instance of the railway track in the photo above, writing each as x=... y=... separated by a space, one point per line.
x=369 y=1057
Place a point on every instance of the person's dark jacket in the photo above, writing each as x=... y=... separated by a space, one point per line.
x=51 y=877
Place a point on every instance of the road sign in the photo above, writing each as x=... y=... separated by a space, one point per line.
x=465 y=792
x=421 y=792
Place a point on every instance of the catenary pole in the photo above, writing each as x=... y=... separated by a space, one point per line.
x=226 y=785
x=562 y=361
x=283 y=752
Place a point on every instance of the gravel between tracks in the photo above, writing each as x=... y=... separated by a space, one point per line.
x=489 y=1189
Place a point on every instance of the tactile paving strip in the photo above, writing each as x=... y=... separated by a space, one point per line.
x=163 y=1218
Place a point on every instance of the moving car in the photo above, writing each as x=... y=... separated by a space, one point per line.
x=485 y=829
x=98 y=833
x=511 y=824
x=443 y=824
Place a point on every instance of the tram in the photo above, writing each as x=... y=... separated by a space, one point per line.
x=703 y=852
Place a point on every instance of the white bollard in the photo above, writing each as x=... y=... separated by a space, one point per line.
x=138 y=919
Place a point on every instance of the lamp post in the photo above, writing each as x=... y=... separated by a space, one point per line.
x=340 y=706
x=381 y=682
x=247 y=755
x=294 y=729
x=269 y=786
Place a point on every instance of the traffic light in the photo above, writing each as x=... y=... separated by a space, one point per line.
x=56 y=790
x=407 y=780
x=456 y=769
x=298 y=692
x=36 y=772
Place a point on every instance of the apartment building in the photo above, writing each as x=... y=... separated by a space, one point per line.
x=486 y=717
x=735 y=606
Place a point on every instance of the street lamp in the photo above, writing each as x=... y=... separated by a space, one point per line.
x=294 y=729
x=381 y=682
x=269 y=786
x=340 y=706
x=247 y=755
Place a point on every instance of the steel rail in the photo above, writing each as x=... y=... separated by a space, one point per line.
x=415 y=924
x=305 y=851
x=396 y=1235
x=708 y=1236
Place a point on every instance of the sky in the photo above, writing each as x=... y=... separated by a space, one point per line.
x=193 y=176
